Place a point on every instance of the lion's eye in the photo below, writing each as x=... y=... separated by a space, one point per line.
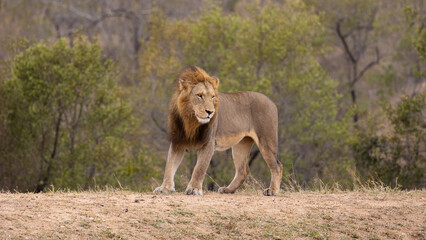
x=200 y=96
x=213 y=97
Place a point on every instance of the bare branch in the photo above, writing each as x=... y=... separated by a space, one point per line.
x=369 y=25
x=71 y=8
x=370 y=65
x=343 y=39
x=95 y=20
x=157 y=123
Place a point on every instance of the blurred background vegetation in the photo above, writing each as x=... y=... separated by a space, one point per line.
x=85 y=85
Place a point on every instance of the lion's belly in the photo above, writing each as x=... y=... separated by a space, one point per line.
x=225 y=142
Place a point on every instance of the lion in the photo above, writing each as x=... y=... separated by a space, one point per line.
x=200 y=118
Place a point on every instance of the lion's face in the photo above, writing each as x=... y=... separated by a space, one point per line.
x=197 y=100
x=203 y=101
x=194 y=103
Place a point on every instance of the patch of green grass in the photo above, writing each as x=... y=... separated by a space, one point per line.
x=157 y=222
x=231 y=225
x=85 y=224
x=316 y=235
x=373 y=237
x=350 y=233
x=108 y=234
x=183 y=221
x=183 y=212
x=326 y=217
x=207 y=236
x=217 y=225
x=134 y=224
x=254 y=224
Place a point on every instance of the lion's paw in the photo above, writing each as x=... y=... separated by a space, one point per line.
x=224 y=190
x=193 y=191
x=269 y=192
x=162 y=189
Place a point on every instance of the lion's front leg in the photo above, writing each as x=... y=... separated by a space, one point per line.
x=174 y=158
x=203 y=161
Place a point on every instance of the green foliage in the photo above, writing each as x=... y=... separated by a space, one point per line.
x=418 y=33
x=411 y=54
x=407 y=117
x=66 y=117
x=420 y=44
x=396 y=158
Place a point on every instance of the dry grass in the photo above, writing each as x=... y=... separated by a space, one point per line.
x=246 y=215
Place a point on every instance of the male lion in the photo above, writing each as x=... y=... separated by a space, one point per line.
x=197 y=121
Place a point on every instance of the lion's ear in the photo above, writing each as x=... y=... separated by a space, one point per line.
x=182 y=84
x=215 y=82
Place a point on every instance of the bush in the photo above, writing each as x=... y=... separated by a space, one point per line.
x=397 y=158
x=66 y=118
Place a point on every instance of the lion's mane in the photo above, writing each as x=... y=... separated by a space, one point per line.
x=183 y=128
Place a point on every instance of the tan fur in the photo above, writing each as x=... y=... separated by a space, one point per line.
x=197 y=121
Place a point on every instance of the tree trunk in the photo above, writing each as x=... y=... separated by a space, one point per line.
x=45 y=178
x=353 y=96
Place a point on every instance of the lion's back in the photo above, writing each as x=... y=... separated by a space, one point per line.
x=244 y=112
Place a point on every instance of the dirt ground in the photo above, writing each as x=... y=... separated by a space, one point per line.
x=132 y=215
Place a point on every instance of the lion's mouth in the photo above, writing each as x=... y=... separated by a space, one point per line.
x=203 y=120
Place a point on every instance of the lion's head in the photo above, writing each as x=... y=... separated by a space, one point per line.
x=194 y=104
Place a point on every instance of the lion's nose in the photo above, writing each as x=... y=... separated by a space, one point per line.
x=209 y=112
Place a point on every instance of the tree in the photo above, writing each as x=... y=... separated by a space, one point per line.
x=353 y=28
x=66 y=117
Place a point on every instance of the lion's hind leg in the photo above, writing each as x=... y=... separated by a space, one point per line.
x=268 y=148
x=240 y=154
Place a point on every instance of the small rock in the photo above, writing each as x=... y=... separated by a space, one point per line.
x=126 y=210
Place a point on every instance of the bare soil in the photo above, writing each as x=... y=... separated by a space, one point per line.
x=132 y=215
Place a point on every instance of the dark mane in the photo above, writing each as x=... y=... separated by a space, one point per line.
x=184 y=130
x=179 y=138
